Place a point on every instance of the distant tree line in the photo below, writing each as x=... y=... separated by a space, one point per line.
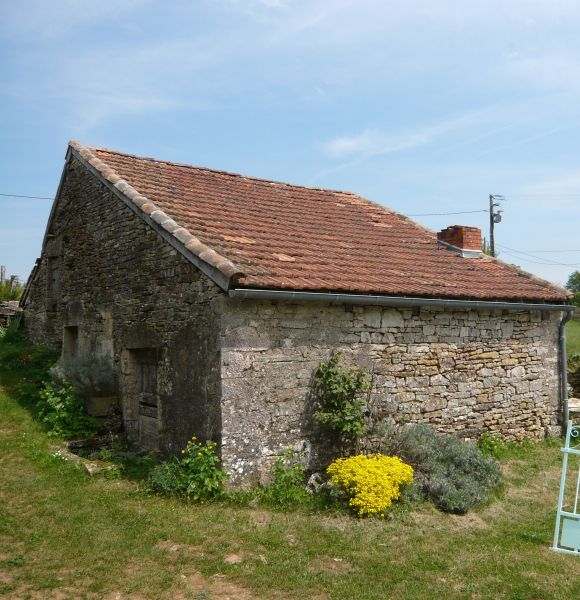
x=10 y=287
x=573 y=285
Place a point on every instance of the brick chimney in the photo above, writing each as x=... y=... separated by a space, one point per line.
x=463 y=239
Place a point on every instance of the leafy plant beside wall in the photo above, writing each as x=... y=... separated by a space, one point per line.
x=61 y=409
x=341 y=406
x=196 y=475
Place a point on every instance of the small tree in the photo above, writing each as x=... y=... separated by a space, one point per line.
x=340 y=406
x=573 y=285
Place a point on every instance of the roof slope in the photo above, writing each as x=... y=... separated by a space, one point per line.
x=280 y=236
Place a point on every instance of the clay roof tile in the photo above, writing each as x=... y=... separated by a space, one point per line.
x=277 y=235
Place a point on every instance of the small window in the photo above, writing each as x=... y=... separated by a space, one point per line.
x=70 y=342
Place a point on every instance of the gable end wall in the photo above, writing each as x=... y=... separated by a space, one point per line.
x=127 y=289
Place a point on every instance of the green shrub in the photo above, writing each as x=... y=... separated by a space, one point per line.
x=340 y=407
x=288 y=486
x=167 y=478
x=34 y=363
x=62 y=410
x=197 y=474
x=454 y=474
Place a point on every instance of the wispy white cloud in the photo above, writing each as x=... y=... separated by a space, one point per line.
x=343 y=21
x=520 y=142
x=105 y=83
x=559 y=71
x=558 y=194
x=38 y=19
x=274 y=3
x=371 y=142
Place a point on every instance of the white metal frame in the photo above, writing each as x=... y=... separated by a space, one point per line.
x=567 y=530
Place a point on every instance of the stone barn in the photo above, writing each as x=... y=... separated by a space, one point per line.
x=215 y=296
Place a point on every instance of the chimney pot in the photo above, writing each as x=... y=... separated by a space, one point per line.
x=463 y=239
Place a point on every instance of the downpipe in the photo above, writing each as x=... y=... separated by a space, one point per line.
x=564 y=368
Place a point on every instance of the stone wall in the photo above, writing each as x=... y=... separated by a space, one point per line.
x=112 y=287
x=574 y=380
x=9 y=310
x=462 y=371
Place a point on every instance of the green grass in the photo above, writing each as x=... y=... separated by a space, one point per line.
x=573 y=336
x=65 y=535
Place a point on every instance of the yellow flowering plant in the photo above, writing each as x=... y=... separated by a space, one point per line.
x=202 y=472
x=196 y=474
x=372 y=481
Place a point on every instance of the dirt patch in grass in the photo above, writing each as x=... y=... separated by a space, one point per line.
x=217 y=587
x=330 y=564
x=122 y=596
x=260 y=518
x=468 y=521
x=175 y=551
x=26 y=592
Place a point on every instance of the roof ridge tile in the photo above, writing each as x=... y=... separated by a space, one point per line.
x=221 y=171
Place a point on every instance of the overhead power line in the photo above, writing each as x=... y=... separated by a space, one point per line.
x=537 y=262
x=463 y=212
x=555 y=195
x=539 y=259
x=542 y=251
x=31 y=197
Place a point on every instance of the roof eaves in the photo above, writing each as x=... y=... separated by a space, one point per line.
x=217 y=267
x=567 y=295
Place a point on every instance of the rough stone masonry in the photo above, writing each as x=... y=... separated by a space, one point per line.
x=462 y=371
x=192 y=361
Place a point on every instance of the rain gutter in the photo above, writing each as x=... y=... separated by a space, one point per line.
x=400 y=301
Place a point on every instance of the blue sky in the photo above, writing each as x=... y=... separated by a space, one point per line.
x=423 y=106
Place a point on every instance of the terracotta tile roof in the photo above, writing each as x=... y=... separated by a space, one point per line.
x=274 y=235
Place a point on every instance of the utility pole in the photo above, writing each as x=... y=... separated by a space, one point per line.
x=494 y=217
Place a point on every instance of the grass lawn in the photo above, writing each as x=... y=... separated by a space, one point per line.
x=65 y=535
x=573 y=336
